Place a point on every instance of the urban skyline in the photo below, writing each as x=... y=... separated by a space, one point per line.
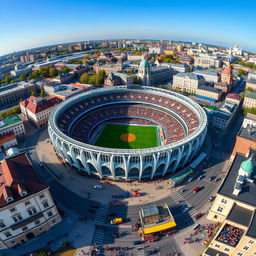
x=46 y=23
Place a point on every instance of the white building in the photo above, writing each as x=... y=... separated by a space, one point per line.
x=209 y=76
x=19 y=71
x=187 y=82
x=206 y=61
x=184 y=67
x=26 y=206
x=252 y=74
x=156 y=50
x=236 y=50
x=37 y=110
x=12 y=124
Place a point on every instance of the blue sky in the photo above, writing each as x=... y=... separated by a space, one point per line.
x=31 y=23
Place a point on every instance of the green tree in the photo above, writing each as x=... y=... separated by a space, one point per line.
x=137 y=80
x=53 y=72
x=42 y=93
x=84 y=78
x=102 y=76
x=241 y=72
x=85 y=58
x=92 y=79
x=6 y=78
x=23 y=77
x=64 y=70
x=33 y=93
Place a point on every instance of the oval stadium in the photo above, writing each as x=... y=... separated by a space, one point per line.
x=128 y=132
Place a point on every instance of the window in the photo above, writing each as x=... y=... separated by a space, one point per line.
x=2 y=225
x=24 y=228
x=217 y=245
x=220 y=209
x=37 y=222
x=32 y=211
x=227 y=249
x=27 y=203
x=251 y=242
x=49 y=213
x=224 y=201
x=45 y=204
x=13 y=209
x=7 y=234
x=41 y=196
x=53 y=221
x=246 y=248
x=240 y=254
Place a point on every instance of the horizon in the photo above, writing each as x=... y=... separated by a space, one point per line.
x=34 y=25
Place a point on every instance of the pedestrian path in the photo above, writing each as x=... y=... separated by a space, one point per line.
x=101 y=213
x=183 y=204
x=100 y=219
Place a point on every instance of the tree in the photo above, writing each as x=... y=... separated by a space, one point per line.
x=137 y=80
x=241 y=72
x=23 y=77
x=92 y=79
x=42 y=93
x=85 y=58
x=53 y=72
x=7 y=78
x=102 y=76
x=84 y=78
x=33 y=93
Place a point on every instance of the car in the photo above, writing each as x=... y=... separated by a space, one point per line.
x=196 y=189
x=182 y=190
x=153 y=251
x=190 y=179
x=200 y=177
x=98 y=187
x=198 y=215
x=211 y=198
x=138 y=242
x=185 y=209
x=211 y=178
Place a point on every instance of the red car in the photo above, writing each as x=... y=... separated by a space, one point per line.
x=198 y=216
x=196 y=189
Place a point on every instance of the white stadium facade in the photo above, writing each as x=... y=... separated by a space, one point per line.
x=73 y=123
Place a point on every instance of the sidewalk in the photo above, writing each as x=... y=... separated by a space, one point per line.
x=71 y=179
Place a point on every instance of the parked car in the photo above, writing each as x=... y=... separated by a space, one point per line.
x=190 y=179
x=211 y=178
x=153 y=251
x=200 y=177
x=98 y=187
x=183 y=190
x=198 y=215
x=211 y=198
x=196 y=189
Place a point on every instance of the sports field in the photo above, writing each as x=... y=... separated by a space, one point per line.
x=128 y=136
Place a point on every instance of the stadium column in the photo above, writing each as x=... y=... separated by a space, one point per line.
x=154 y=165
x=141 y=167
x=98 y=165
x=112 y=169
x=125 y=165
x=167 y=162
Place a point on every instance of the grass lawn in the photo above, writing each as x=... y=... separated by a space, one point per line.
x=115 y=136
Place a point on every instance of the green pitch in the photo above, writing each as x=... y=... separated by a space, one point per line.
x=128 y=136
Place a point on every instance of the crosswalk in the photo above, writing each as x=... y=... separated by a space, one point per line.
x=100 y=219
x=184 y=204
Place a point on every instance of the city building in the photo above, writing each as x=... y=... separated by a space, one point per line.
x=209 y=76
x=206 y=61
x=28 y=57
x=26 y=206
x=64 y=92
x=156 y=49
x=177 y=67
x=64 y=78
x=251 y=83
x=227 y=76
x=12 y=124
x=118 y=78
x=153 y=75
x=233 y=98
x=246 y=139
x=236 y=50
x=225 y=88
x=252 y=74
x=8 y=140
x=187 y=82
x=109 y=68
x=249 y=100
x=37 y=109
x=11 y=94
x=19 y=70
x=208 y=93
x=235 y=208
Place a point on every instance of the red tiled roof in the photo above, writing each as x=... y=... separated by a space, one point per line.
x=17 y=174
x=233 y=96
x=227 y=71
x=35 y=105
x=6 y=138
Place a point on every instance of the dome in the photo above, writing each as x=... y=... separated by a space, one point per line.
x=144 y=64
x=247 y=165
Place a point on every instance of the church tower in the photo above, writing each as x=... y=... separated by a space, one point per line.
x=144 y=72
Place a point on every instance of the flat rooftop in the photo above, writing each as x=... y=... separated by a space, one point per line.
x=213 y=252
x=240 y=215
x=10 y=120
x=247 y=195
x=252 y=229
x=249 y=134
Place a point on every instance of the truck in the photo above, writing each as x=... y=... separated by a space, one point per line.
x=116 y=221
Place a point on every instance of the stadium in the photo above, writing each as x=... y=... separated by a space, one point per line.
x=128 y=132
